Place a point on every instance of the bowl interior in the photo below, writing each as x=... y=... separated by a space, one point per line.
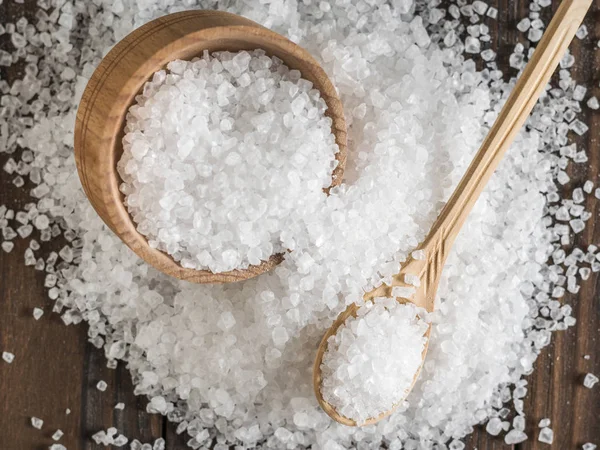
x=234 y=44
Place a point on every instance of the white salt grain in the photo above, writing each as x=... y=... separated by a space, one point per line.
x=546 y=435
x=37 y=313
x=8 y=357
x=370 y=363
x=590 y=380
x=582 y=32
x=593 y=103
x=57 y=435
x=515 y=437
x=544 y=423
x=101 y=386
x=37 y=423
x=589 y=446
x=120 y=406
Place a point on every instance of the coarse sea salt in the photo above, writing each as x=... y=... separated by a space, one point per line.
x=417 y=111
x=373 y=359
x=219 y=153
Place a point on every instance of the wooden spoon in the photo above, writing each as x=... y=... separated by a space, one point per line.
x=437 y=244
x=121 y=76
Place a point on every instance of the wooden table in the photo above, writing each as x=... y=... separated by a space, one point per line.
x=55 y=368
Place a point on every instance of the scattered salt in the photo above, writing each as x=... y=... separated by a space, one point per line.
x=391 y=85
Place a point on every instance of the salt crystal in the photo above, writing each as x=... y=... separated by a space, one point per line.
x=590 y=380
x=582 y=32
x=593 y=103
x=412 y=280
x=101 y=386
x=37 y=313
x=577 y=225
x=546 y=435
x=120 y=441
x=57 y=435
x=8 y=357
x=562 y=177
x=37 y=423
x=544 y=423
x=589 y=446
x=515 y=437
x=524 y=25
x=534 y=35
x=120 y=406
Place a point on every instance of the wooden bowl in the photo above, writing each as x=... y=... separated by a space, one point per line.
x=99 y=128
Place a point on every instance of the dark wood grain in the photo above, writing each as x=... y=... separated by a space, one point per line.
x=55 y=368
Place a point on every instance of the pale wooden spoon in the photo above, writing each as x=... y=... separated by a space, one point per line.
x=121 y=76
x=437 y=244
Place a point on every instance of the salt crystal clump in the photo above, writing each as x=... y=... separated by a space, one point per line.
x=220 y=155
x=371 y=362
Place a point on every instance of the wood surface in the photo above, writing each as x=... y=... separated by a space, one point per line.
x=120 y=77
x=55 y=368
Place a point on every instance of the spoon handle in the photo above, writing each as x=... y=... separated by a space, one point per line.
x=519 y=104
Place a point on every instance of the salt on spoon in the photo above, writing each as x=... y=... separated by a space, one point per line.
x=423 y=268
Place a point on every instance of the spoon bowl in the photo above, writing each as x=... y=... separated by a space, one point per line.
x=419 y=299
x=425 y=273
x=120 y=77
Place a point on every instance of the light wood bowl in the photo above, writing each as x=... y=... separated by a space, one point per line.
x=99 y=128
